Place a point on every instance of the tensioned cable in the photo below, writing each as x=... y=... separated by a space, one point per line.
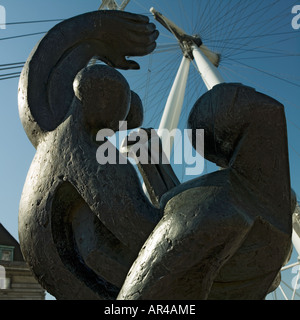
x=242 y=17
x=28 y=22
x=9 y=68
x=11 y=64
x=289 y=287
x=254 y=37
x=283 y=99
x=10 y=74
x=246 y=28
x=269 y=74
x=262 y=87
x=10 y=77
x=23 y=35
x=31 y=22
x=259 y=34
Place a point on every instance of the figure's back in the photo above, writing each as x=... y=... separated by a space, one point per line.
x=251 y=273
x=266 y=244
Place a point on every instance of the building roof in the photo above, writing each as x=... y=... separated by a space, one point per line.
x=6 y=239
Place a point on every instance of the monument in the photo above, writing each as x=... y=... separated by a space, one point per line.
x=88 y=231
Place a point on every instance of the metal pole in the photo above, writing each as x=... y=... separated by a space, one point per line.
x=290 y=266
x=113 y=5
x=173 y=107
x=296 y=240
x=209 y=73
x=124 y=5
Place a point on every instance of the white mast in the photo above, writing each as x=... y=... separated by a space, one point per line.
x=209 y=73
x=113 y=5
x=207 y=63
x=172 y=111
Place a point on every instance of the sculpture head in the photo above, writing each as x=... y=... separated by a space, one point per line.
x=101 y=91
x=106 y=99
x=222 y=113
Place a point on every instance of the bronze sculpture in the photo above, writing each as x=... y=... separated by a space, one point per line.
x=81 y=226
x=64 y=181
x=225 y=235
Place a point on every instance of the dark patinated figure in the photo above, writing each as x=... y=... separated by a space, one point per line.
x=227 y=234
x=83 y=225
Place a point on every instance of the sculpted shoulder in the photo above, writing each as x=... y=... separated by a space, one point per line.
x=210 y=200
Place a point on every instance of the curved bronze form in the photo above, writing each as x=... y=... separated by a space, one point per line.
x=227 y=234
x=89 y=232
x=80 y=225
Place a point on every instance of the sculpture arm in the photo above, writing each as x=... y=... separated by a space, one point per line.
x=156 y=170
x=46 y=83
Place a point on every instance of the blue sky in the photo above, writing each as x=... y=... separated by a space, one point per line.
x=258 y=45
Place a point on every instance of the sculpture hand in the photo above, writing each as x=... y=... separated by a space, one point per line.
x=65 y=50
x=126 y=34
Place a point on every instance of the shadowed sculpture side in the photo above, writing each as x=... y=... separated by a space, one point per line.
x=227 y=234
x=80 y=226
